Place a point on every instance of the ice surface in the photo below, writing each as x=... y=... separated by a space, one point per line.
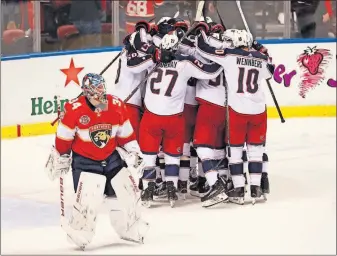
x=299 y=217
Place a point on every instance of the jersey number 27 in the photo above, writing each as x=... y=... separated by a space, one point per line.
x=159 y=79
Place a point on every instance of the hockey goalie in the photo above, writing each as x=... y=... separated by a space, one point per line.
x=96 y=140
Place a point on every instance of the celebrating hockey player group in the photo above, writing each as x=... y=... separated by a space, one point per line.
x=187 y=113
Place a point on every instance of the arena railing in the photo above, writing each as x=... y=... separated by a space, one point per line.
x=50 y=27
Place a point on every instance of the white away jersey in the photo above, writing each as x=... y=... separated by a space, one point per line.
x=131 y=71
x=244 y=71
x=166 y=87
x=212 y=91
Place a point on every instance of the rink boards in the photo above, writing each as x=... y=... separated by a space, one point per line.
x=31 y=83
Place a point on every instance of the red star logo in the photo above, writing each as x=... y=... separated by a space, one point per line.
x=71 y=73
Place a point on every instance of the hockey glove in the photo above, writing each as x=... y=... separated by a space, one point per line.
x=153 y=30
x=57 y=165
x=162 y=56
x=143 y=24
x=216 y=28
x=259 y=47
x=201 y=26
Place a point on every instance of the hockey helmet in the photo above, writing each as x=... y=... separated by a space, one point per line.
x=94 y=87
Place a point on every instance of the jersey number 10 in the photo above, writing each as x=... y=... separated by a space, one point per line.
x=251 y=79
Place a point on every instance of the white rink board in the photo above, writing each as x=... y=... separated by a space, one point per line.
x=28 y=79
x=298 y=218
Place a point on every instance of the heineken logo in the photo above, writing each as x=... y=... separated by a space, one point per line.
x=40 y=106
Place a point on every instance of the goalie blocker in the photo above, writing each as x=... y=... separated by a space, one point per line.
x=90 y=129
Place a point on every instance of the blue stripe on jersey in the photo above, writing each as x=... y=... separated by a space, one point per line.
x=208 y=68
x=241 y=52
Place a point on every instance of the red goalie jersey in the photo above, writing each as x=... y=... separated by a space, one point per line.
x=91 y=132
x=139 y=10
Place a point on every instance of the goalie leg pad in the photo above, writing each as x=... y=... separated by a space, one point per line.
x=127 y=222
x=89 y=196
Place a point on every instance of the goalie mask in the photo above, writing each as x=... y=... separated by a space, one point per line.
x=94 y=88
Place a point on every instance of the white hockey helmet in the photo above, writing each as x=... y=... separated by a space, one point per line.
x=169 y=42
x=228 y=38
x=242 y=38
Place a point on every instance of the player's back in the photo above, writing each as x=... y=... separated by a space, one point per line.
x=245 y=71
x=129 y=75
x=166 y=87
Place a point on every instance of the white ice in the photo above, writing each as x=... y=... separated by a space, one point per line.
x=298 y=218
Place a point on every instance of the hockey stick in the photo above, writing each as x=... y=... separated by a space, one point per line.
x=111 y=62
x=238 y=3
x=101 y=73
x=197 y=18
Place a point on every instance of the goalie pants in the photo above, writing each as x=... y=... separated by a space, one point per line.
x=109 y=168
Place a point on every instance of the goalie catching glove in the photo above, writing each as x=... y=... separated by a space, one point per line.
x=57 y=165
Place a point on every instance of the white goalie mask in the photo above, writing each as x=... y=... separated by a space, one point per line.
x=169 y=42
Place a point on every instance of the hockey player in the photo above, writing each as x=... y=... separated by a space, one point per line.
x=163 y=120
x=139 y=10
x=132 y=75
x=244 y=70
x=87 y=139
x=209 y=130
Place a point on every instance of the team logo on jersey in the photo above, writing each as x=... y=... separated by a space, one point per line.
x=84 y=119
x=100 y=134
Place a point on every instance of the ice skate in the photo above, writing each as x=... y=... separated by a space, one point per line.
x=160 y=191
x=199 y=188
x=171 y=193
x=182 y=189
x=256 y=193
x=147 y=195
x=237 y=195
x=215 y=195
